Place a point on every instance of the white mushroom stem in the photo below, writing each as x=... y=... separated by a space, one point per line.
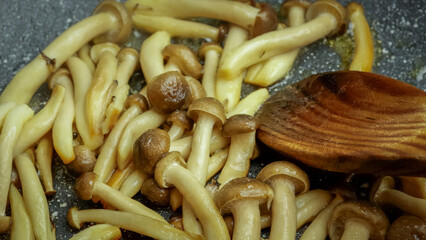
x=147 y=120
x=318 y=228
x=230 y=11
x=151 y=56
x=82 y=79
x=62 y=133
x=99 y=232
x=364 y=50
x=309 y=204
x=246 y=220
x=251 y=103
x=133 y=183
x=8 y=138
x=133 y=222
x=175 y=27
x=228 y=90
x=273 y=43
x=4 y=110
x=211 y=57
x=34 y=197
x=107 y=159
x=41 y=123
x=119 y=176
x=44 y=153
x=22 y=228
x=84 y=55
x=355 y=230
x=21 y=90
x=217 y=161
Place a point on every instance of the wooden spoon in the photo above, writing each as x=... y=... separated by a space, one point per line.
x=349 y=121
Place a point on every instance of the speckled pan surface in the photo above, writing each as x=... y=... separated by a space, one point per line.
x=29 y=26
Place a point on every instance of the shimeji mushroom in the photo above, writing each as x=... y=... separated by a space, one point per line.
x=171 y=171
x=133 y=183
x=364 y=52
x=180 y=122
x=158 y=196
x=84 y=55
x=251 y=103
x=84 y=160
x=287 y=180
x=383 y=193
x=99 y=232
x=41 y=123
x=62 y=133
x=357 y=220
x=44 y=154
x=118 y=177
x=310 y=204
x=151 y=55
x=243 y=197
x=241 y=129
x=110 y=22
x=407 y=227
x=10 y=131
x=130 y=221
x=324 y=17
x=107 y=158
x=22 y=227
x=87 y=186
x=181 y=58
x=244 y=15
x=210 y=52
x=5 y=109
x=82 y=79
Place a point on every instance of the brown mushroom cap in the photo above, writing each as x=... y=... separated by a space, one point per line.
x=240 y=189
x=374 y=218
x=196 y=88
x=329 y=6
x=121 y=34
x=168 y=91
x=290 y=3
x=239 y=123
x=170 y=159
x=266 y=20
x=160 y=197
x=180 y=118
x=208 y=46
x=184 y=58
x=84 y=161
x=286 y=170
x=84 y=185
x=207 y=105
x=407 y=227
x=137 y=100
x=148 y=149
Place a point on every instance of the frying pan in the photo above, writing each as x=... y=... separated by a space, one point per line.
x=398 y=27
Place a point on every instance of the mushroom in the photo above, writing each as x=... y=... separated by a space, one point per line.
x=130 y=221
x=217 y=161
x=251 y=103
x=133 y=183
x=407 y=227
x=287 y=180
x=171 y=171
x=128 y=62
x=5 y=109
x=414 y=186
x=239 y=13
x=210 y=52
x=107 y=159
x=110 y=22
x=87 y=186
x=10 y=131
x=103 y=83
x=364 y=51
x=99 y=231
x=84 y=161
x=40 y=123
x=151 y=54
x=82 y=79
x=44 y=154
x=22 y=227
x=179 y=56
x=34 y=198
x=310 y=204
x=84 y=55
x=243 y=197
x=324 y=17
x=241 y=129
x=160 y=197
x=180 y=122
x=357 y=220
x=196 y=89
x=175 y=27
x=383 y=193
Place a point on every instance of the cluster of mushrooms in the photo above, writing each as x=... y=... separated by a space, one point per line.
x=186 y=139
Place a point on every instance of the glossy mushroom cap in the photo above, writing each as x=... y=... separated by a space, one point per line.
x=286 y=170
x=168 y=92
x=407 y=227
x=148 y=149
x=196 y=88
x=180 y=118
x=184 y=58
x=240 y=189
x=374 y=219
x=332 y=7
x=121 y=34
x=208 y=46
x=159 y=197
x=169 y=160
x=207 y=105
x=84 y=185
x=84 y=161
x=266 y=20
x=238 y=124
x=137 y=100
x=291 y=3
